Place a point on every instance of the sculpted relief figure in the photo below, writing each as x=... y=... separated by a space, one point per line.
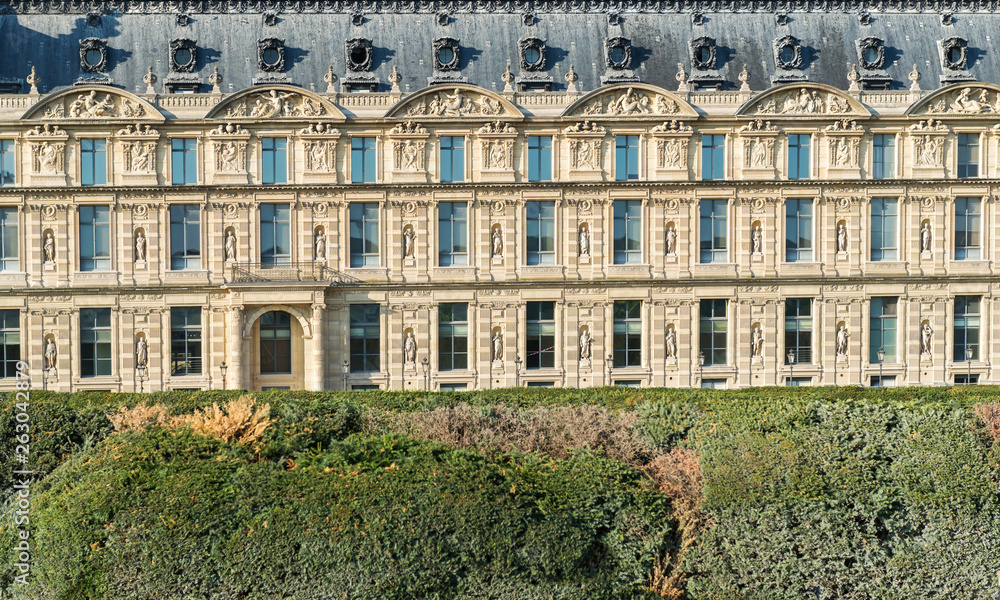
x=757 y=240
x=497 y=346
x=584 y=241
x=409 y=238
x=842 y=335
x=228 y=154
x=844 y=152
x=48 y=157
x=629 y=103
x=140 y=247
x=965 y=104
x=925 y=237
x=671 y=240
x=497 y=240
x=926 y=334
x=842 y=238
x=758 y=153
x=410 y=349
x=87 y=105
x=50 y=356
x=585 y=154
x=670 y=343
x=49 y=247
x=230 y=245
x=671 y=154
x=585 y=344
x=928 y=150
x=320 y=246
x=756 y=342
x=139 y=156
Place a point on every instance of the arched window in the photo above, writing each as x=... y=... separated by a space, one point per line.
x=275 y=343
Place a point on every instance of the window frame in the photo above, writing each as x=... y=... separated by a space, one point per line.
x=716 y=355
x=962 y=328
x=627 y=333
x=891 y=353
x=626 y=228
x=8 y=160
x=365 y=337
x=628 y=156
x=457 y=227
x=540 y=158
x=450 y=333
x=186 y=333
x=10 y=342
x=540 y=329
x=188 y=262
x=273 y=157
x=93 y=158
x=883 y=253
x=455 y=158
x=274 y=341
x=275 y=224
x=714 y=252
x=801 y=224
x=711 y=150
x=878 y=156
x=968 y=169
x=98 y=361
x=535 y=228
x=799 y=153
x=10 y=239
x=799 y=326
x=364 y=159
x=966 y=251
x=94 y=261
x=364 y=249
x=184 y=160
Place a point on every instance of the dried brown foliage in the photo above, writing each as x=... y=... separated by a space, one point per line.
x=989 y=414
x=239 y=421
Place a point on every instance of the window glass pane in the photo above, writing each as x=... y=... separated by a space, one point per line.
x=712 y=156
x=8 y=239
x=540 y=232
x=713 y=336
x=968 y=155
x=798 y=230
x=713 y=231
x=967 y=228
x=883 y=329
x=539 y=158
x=627 y=333
x=627 y=231
x=7 y=162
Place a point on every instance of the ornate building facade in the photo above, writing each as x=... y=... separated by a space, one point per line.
x=460 y=196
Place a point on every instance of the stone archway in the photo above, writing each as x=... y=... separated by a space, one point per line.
x=274 y=341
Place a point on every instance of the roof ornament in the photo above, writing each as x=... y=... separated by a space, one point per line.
x=853 y=77
x=571 y=78
x=507 y=78
x=215 y=79
x=914 y=78
x=149 y=79
x=682 y=78
x=394 y=79
x=744 y=78
x=33 y=80
x=329 y=78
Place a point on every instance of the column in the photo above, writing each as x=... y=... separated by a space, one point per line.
x=316 y=381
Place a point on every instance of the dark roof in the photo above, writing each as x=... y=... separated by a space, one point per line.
x=47 y=35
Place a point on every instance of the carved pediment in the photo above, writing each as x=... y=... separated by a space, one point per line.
x=454 y=101
x=632 y=100
x=93 y=103
x=970 y=99
x=803 y=99
x=275 y=102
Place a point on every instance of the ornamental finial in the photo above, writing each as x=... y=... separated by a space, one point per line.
x=507 y=79
x=215 y=79
x=329 y=78
x=682 y=78
x=33 y=80
x=853 y=77
x=914 y=77
x=571 y=78
x=744 y=78
x=394 y=79
x=149 y=79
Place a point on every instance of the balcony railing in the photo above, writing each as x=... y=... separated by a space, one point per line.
x=287 y=272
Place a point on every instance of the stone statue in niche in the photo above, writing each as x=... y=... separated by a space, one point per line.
x=671 y=240
x=140 y=247
x=410 y=349
x=757 y=240
x=497 y=346
x=584 y=241
x=409 y=240
x=497 y=239
x=925 y=237
x=230 y=245
x=320 y=245
x=585 y=344
x=926 y=337
x=49 y=247
x=141 y=353
x=842 y=335
x=841 y=238
x=756 y=342
x=50 y=355
x=671 y=343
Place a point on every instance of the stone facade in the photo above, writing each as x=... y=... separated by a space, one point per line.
x=625 y=308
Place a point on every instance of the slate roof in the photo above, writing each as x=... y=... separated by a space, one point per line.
x=47 y=35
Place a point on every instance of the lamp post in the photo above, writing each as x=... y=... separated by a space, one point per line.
x=611 y=362
x=701 y=366
x=45 y=378
x=517 y=371
x=346 y=366
x=791 y=366
x=223 y=367
x=426 y=366
x=881 y=361
x=140 y=374
x=968 y=364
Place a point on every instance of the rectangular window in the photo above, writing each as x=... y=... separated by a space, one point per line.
x=452 y=158
x=713 y=154
x=627 y=333
x=363 y=160
x=453 y=234
x=966 y=379
x=185 y=237
x=541 y=332
x=453 y=336
x=884 y=156
x=628 y=231
x=7 y=162
x=883 y=330
x=713 y=231
x=715 y=384
x=798 y=230
x=541 y=232
x=626 y=157
x=275 y=343
x=8 y=239
x=798 y=330
x=184 y=161
x=798 y=381
x=539 y=158
x=365 y=351
x=95 y=342
x=885 y=215
x=968 y=221
x=713 y=332
x=453 y=387
x=967 y=322
x=275 y=233
x=968 y=155
x=274 y=154
x=10 y=342
x=185 y=340
x=798 y=156
x=95 y=238
x=883 y=381
x=93 y=162
x=364 y=234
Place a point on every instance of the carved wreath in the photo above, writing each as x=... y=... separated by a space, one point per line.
x=528 y=44
x=359 y=55
x=94 y=44
x=697 y=61
x=788 y=42
x=871 y=43
x=183 y=44
x=618 y=43
x=271 y=44
x=439 y=45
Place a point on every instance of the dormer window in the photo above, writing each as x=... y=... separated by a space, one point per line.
x=93 y=55
x=183 y=56
x=446 y=54
x=871 y=53
x=618 y=52
x=954 y=54
x=703 y=54
x=532 y=54
x=788 y=53
x=271 y=55
x=359 y=55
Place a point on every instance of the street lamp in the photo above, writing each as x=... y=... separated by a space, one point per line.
x=611 y=362
x=881 y=361
x=791 y=366
x=968 y=364
x=45 y=378
x=346 y=366
x=140 y=373
x=223 y=367
x=701 y=366
x=517 y=371
x=426 y=366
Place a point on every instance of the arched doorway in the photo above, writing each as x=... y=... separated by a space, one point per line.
x=277 y=357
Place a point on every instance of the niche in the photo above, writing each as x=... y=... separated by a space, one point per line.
x=49 y=249
x=319 y=243
x=496 y=347
x=496 y=241
x=229 y=245
x=670 y=239
x=584 y=239
x=139 y=247
x=756 y=238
